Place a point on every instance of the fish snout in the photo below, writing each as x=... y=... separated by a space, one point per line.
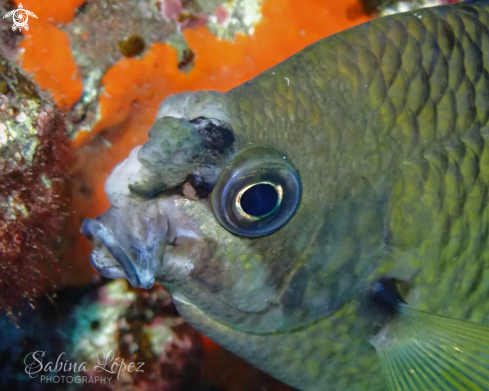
x=129 y=242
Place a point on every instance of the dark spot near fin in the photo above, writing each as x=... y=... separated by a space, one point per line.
x=216 y=135
x=384 y=299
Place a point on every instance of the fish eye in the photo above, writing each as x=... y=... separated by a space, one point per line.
x=257 y=193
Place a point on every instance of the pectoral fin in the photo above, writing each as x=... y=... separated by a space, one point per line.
x=421 y=351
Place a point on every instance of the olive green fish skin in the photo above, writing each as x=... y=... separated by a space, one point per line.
x=387 y=123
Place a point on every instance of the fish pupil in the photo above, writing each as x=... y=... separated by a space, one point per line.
x=259 y=200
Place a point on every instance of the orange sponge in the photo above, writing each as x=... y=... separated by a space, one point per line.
x=46 y=51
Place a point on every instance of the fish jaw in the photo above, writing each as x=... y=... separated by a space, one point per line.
x=129 y=242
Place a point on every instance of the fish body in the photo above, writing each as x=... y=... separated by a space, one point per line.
x=374 y=145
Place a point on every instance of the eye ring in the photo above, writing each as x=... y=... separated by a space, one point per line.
x=250 y=169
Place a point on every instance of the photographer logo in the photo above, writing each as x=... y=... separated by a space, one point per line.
x=20 y=16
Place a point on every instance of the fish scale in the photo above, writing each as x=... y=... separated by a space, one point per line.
x=453 y=169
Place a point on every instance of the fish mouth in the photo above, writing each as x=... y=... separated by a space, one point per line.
x=126 y=245
x=109 y=258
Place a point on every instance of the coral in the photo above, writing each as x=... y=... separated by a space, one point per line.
x=34 y=156
x=139 y=327
x=188 y=15
x=235 y=17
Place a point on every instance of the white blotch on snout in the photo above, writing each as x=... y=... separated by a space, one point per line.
x=128 y=171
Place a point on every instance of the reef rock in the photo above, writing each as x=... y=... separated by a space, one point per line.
x=34 y=161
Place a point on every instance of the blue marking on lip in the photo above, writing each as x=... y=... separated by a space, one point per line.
x=94 y=228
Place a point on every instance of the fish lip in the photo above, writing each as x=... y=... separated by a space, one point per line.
x=92 y=228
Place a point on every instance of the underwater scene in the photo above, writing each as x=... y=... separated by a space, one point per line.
x=244 y=195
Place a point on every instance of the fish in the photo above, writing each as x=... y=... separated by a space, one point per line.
x=328 y=219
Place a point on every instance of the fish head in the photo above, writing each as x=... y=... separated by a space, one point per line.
x=224 y=220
